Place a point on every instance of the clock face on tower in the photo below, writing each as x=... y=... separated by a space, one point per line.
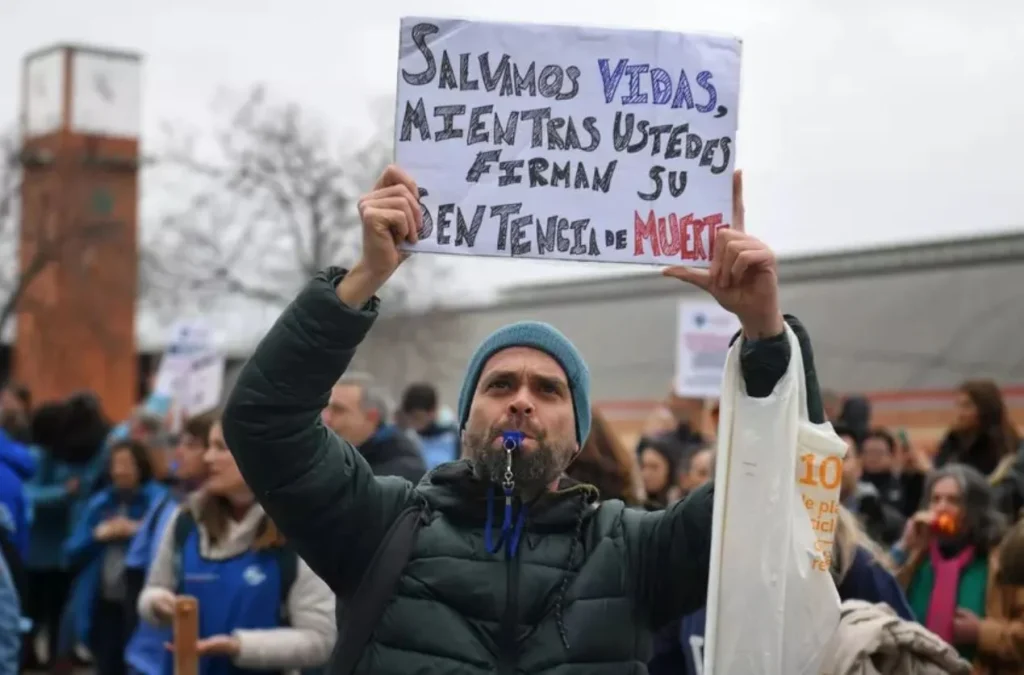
x=44 y=93
x=106 y=94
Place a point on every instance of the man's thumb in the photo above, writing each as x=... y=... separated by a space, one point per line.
x=691 y=275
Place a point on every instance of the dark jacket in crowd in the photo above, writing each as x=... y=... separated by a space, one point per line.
x=390 y=452
x=982 y=452
x=880 y=519
x=582 y=593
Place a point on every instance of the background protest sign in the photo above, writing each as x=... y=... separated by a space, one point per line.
x=191 y=373
x=567 y=142
x=189 y=340
x=705 y=330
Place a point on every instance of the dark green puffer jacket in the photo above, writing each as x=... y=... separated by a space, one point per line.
x=588 y=585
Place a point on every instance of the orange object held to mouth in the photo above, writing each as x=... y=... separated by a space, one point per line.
x=944 y=524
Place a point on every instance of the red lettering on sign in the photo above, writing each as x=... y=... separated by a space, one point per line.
x=676 y=235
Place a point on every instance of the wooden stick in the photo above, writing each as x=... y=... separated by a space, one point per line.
x=186 y=635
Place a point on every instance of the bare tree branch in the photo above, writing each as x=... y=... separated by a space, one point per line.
x=272 y=204
x=55 y=238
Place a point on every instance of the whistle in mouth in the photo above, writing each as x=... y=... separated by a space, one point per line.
x=511 y=440
x=944 y=524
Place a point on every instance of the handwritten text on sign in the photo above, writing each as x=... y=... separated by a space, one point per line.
x=567 y=142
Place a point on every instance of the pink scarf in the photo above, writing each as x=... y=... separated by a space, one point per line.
x=942 y=605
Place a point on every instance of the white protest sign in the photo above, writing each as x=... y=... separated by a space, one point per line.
x=204 y=385
x=702 y=346
x=189 y=338
x=565 y=142
x=191 y=373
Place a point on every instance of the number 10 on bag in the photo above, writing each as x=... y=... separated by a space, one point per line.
x=819 y=478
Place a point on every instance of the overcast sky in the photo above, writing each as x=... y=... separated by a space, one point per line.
x=861 y=123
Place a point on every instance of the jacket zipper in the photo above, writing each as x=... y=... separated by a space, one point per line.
x=510 y=620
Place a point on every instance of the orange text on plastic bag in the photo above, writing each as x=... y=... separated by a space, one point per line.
x=819 y=479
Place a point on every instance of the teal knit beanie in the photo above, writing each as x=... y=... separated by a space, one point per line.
x=542 y=337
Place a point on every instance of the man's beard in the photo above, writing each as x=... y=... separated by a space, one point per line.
x=531 y=472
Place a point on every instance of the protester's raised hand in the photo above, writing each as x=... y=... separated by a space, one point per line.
x=743 y=276
x=918 y=531
x=391 y=215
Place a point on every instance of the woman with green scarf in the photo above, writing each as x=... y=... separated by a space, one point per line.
x=949 y=561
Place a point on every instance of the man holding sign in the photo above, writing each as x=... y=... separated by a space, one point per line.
x=514 y=567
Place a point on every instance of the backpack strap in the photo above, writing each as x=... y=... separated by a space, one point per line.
x=357 y=618
x=158 y=513
x=183 y=525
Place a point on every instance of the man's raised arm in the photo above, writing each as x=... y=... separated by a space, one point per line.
x=670 y=552
x=315 y=486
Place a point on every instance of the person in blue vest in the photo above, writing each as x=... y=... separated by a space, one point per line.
x=860 y=569
x=439 y=442
x=145 y=652
x=98 y=545
x=261 y=608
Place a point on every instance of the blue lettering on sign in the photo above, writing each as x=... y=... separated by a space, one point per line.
x=663 y=91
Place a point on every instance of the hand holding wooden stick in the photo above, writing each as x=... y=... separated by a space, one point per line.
x=186 y=635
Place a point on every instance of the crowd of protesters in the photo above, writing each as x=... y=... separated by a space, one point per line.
x=87 y=508
x=964 y=583
x=103 y=525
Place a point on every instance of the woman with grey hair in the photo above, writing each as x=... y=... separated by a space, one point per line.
x=949 y=557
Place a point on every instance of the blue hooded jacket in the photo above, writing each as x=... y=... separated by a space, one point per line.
x=17 y=465
x=83 y=550
x=439 y=444
x=54 y=508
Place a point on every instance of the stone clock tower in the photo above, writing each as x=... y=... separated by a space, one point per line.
x=80 y=160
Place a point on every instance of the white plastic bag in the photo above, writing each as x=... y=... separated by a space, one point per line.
x=772 y=605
